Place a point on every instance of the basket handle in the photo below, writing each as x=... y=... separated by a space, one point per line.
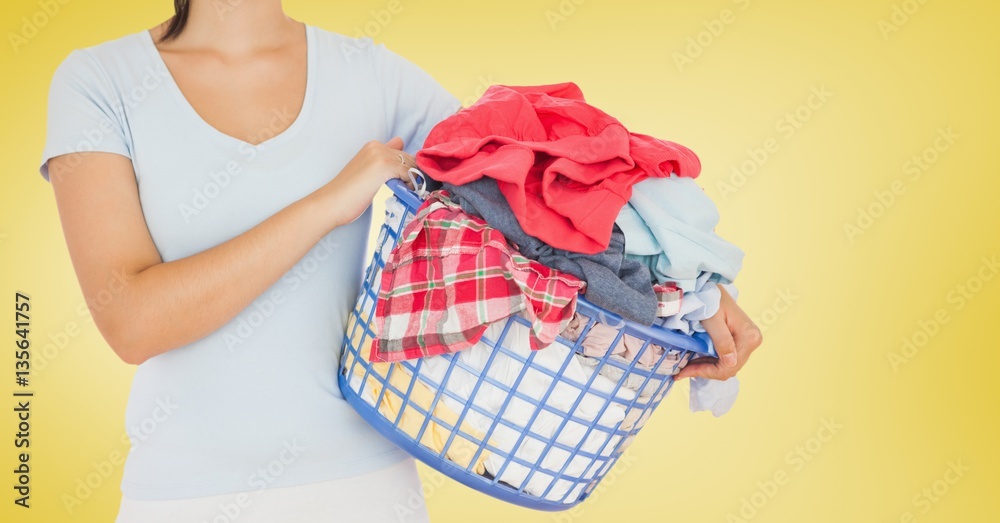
x=408 y=197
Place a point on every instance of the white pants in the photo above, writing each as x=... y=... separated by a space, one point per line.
x=389 y=495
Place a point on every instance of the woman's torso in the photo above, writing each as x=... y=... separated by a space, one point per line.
x=254 y=404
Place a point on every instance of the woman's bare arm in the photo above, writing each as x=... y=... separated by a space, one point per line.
x=157 y=306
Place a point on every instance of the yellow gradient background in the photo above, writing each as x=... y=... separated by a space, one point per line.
x=834 y=306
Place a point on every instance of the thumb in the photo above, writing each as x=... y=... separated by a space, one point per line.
x=395 y=143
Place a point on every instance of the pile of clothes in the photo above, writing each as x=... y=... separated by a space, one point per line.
x=538 y=198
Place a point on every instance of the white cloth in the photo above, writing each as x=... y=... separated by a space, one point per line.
x=393 y=493
x=505 y=370
x=714 y=396
x=636 y=380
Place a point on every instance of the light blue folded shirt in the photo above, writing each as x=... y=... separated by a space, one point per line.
x=669 y=224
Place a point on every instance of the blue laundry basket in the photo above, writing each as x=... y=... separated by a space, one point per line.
x=448 y=417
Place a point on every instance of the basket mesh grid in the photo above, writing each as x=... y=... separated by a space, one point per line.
x=569 y=450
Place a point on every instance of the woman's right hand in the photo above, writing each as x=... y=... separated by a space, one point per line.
x=353 y=189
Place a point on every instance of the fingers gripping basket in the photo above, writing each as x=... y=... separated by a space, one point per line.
x=535 y=428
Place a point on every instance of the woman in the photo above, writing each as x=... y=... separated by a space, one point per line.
x=213 y=176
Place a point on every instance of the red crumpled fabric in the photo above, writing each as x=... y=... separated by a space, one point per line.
x=565 y=167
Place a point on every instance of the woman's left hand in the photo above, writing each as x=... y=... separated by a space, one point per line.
x=735 y=337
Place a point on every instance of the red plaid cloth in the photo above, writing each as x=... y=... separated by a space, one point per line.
x=451 y=275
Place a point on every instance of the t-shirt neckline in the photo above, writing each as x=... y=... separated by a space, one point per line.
x=186 y=106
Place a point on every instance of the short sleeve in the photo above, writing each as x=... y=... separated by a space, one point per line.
x=83 y=112
x=414 y=101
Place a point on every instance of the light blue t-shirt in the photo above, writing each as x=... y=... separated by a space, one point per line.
x=255 y=403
